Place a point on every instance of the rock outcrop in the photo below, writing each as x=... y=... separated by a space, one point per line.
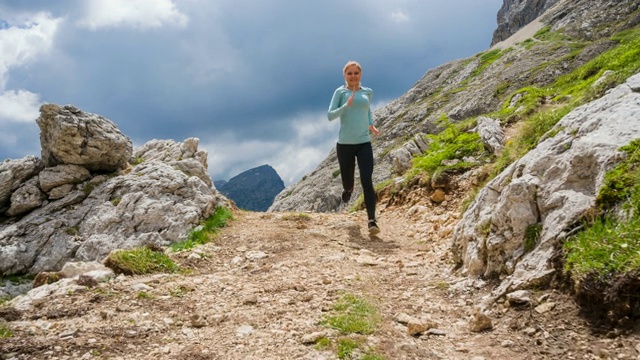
x=85 y=199
x=548 y=190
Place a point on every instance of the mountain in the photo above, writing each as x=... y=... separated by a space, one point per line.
x=564 y=36
x=253 y=189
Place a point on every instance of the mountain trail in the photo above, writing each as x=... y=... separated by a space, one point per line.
x=264 y=287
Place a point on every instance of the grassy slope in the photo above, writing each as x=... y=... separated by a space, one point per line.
x=609 y=247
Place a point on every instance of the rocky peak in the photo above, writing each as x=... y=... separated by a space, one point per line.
x=254 y=189
x=515 y=14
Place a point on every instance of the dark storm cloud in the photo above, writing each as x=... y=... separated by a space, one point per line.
x=247 y=77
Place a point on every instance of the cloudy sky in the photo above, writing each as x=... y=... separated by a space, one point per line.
x=252 y=79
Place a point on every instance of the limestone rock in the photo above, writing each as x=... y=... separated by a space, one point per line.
x=401 y=157
x=71 y=136
x=26 y=197
x=491 y=133
x=519 y=297
x=552 y=186
x=59 y=175
x=14 y=173
x=183 y=155
x=438 y=196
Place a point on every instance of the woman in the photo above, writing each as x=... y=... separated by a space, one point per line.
x=352 y=104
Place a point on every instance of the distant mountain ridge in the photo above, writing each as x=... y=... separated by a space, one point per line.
x=254 y=189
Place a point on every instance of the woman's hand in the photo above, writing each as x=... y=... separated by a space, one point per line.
x=374 y=130
x=350 y=100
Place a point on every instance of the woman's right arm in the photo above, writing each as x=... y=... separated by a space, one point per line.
x=336 y=108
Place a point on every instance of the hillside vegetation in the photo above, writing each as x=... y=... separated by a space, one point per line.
x=603 y=257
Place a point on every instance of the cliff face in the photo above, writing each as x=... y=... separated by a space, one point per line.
x=515 y=14
x=253 y=189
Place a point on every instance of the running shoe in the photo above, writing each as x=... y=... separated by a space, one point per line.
x=373 y=227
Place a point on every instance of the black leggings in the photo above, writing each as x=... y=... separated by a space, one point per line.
x=347 y=155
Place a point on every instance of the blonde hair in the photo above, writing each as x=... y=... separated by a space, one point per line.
x=351 y=63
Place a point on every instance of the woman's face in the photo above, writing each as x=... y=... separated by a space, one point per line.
x=352 y=75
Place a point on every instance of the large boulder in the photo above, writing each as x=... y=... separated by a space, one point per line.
x=547 y=192
x=71 y=136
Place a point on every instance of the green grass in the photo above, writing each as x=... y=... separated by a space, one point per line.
x=72 y=230
x=610 y=245
x=531 y=236
x=622 y=183
x=323 y=343
x=354 y=317
x=207 y=232
x=486 y=59
x=607 y=247
x=137 y=160
x=88 y=188
x=144 y=295
x=624 y=59
x=451 y=143
x=140 y=261
x=346 y=347
x=5 y=330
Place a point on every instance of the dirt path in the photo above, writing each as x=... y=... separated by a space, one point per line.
x=262 y=290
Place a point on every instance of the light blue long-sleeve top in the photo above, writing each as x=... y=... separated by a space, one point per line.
x=354 y=119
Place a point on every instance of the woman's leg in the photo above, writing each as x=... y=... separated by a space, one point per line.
x=347 y=161
x=365 y=165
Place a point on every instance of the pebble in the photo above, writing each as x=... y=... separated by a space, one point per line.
x=545 y=307
x=244 y=330
x=69 y=333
